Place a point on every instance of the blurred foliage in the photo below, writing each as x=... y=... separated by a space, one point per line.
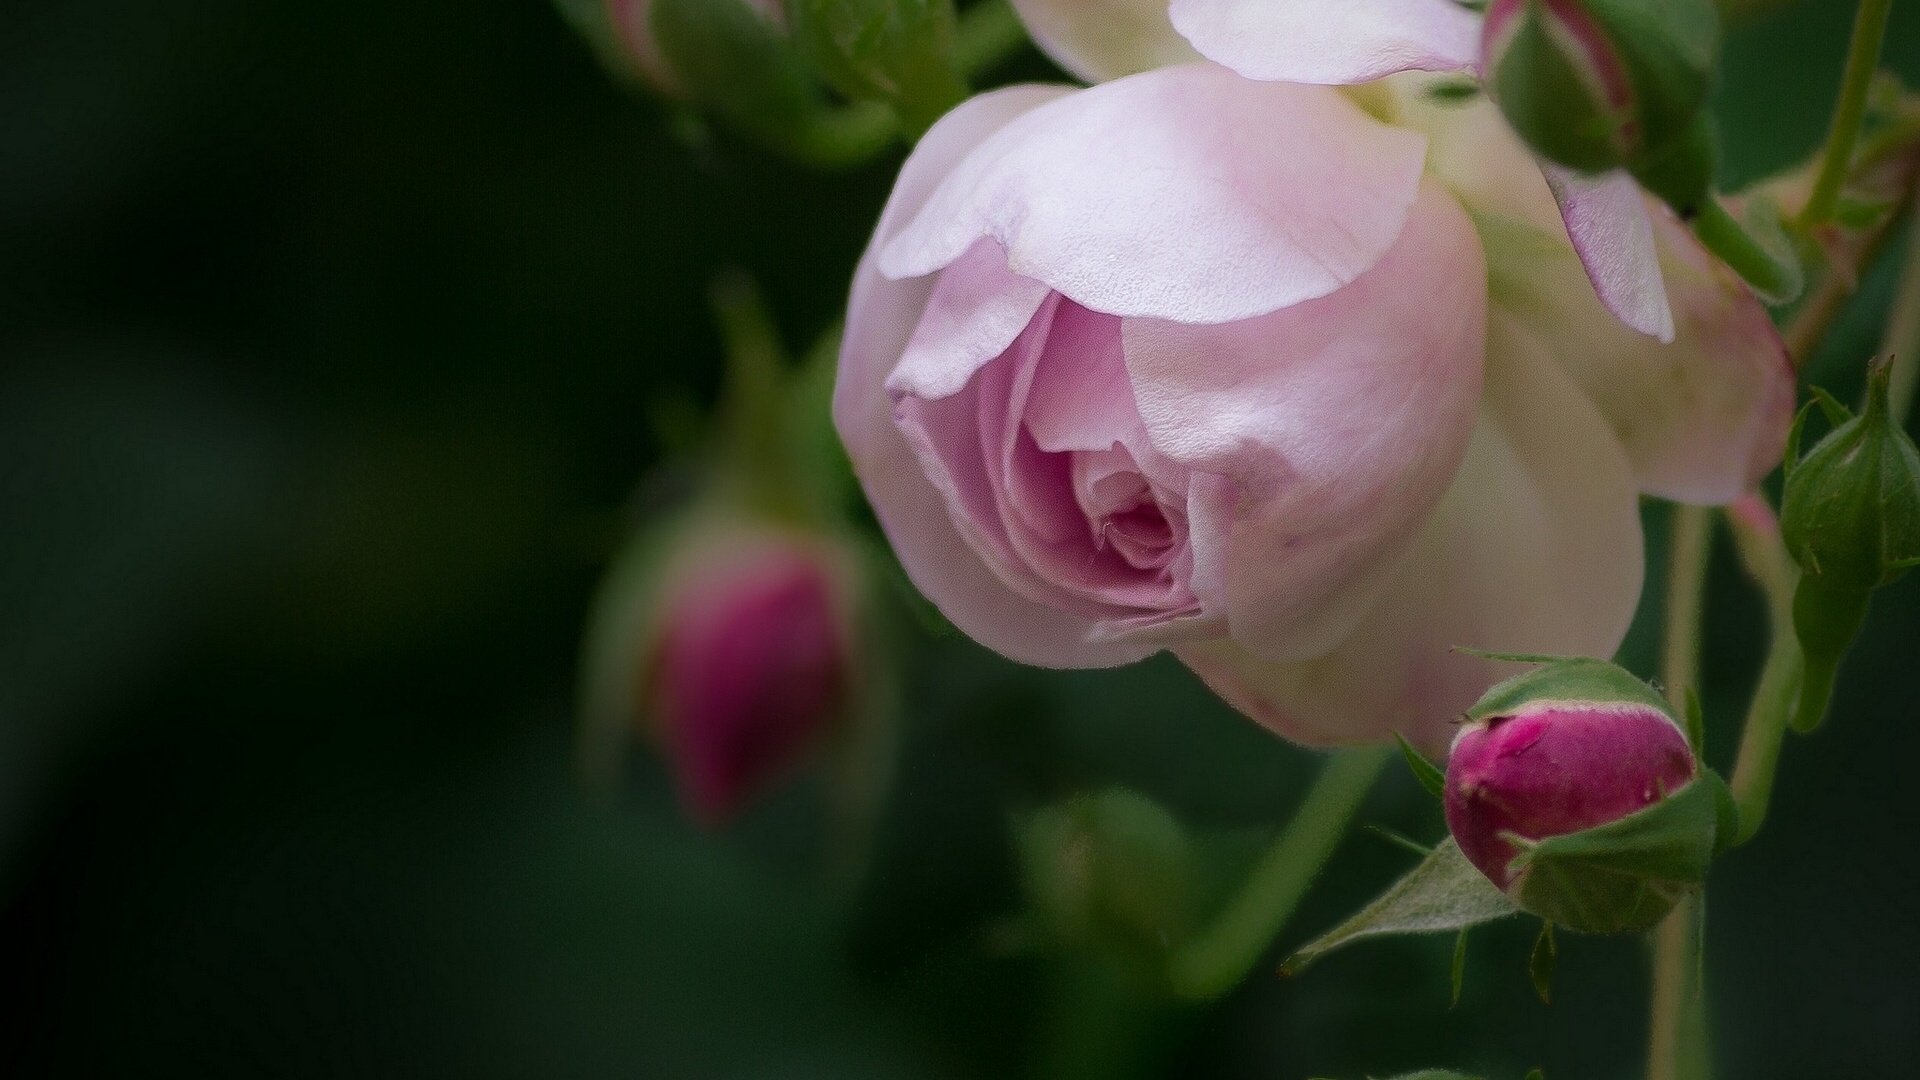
x=328 y=339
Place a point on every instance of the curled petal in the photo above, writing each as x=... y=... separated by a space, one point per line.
x=1186 y=194
x=1704 y=417
x=1606 y=217
x=1330 y=42
x=1340 y=420
x=881 y=319
x=1535 y=548
x=1105 y=39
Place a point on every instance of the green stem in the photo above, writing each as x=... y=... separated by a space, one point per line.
x=1221 y=954
x=1902 y=339
x=1686 y=599
x=1677 y=1030
x=987 y=34
x=1863 y=59
x=1756 y=535
x=1775 y=275
x=1678 y=1039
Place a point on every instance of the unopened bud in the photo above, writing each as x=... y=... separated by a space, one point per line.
x=1110 y=873
x=751 y=665
x=1574 y=789
x=623 y=33
x=1851 y=518
x=1600 y=84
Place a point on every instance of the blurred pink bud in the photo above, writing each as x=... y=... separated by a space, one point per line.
x=1558 y=767
x=632 y=24
x=752 y=666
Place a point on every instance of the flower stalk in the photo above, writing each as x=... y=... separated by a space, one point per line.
x=1221 y=954
x=1849 y=113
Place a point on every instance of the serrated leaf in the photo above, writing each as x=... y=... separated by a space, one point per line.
x=1459 y=966
x=1425 y=771
x=1541 y=965
x=1444 y=892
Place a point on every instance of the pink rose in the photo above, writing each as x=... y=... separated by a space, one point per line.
x=1305 y=391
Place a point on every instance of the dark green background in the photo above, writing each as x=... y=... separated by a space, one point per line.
x=328 y=334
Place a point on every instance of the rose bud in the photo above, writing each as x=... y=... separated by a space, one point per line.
x=1109 y=872
x=1851 y=517
x=1600 y=84
x=751 y=667
x=623 y=32
x=1544 y=773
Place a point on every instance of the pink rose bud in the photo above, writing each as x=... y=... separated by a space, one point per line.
x=751 y=666
x=1575 y=746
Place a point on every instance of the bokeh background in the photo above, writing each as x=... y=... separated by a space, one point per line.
x=330 y=339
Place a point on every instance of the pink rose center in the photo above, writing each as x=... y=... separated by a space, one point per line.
x=1050 y=475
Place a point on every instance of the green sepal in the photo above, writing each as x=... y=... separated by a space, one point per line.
x=1726 y=810
x=1444 y=892
x=1542 y=963
x=735 y=62
x=1568 y=680
x=900 y=52
x=1425 y=771
x=1624 y=876
x=1459 y=969
x=1696 y=723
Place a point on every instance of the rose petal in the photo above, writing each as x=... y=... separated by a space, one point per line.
x=1105 y=39
x=1331 y=42
x=1535 y=548
x=1606 y=216
x=1185 y=193
x=1340 y=420
x=881 y=319
x=1703 y=418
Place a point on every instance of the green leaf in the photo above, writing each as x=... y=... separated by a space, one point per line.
x=1425 y=771
x=1459 y=966
x=1624 y=875
x=1540 y=966
x=1444 y=892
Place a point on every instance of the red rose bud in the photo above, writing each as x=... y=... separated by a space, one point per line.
x=1600 y=84
x=751 y=667
x=1558 y=789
